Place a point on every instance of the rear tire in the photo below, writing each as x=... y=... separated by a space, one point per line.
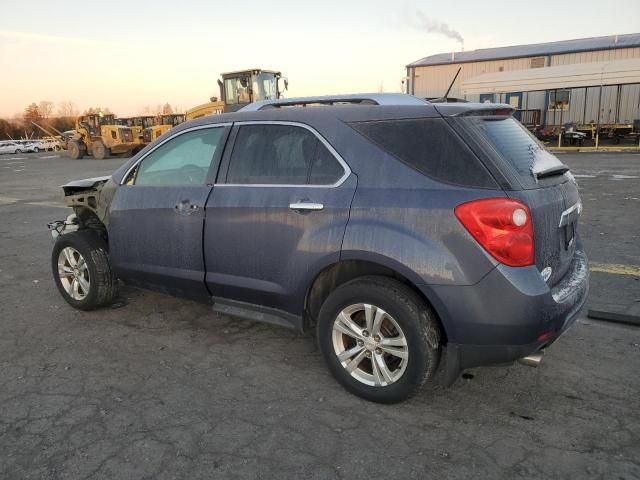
x=81 y=270
x=397 y=357
x=99 y=150
x=75 y=150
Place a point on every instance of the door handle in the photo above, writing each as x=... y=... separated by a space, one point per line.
x=186 y=208
x=306 y=206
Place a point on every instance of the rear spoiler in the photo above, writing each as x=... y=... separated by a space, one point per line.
x=474 y=109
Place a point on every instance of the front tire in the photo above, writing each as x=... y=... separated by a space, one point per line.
x=81 y=270
x=379 y=339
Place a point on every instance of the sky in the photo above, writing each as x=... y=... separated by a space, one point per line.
x=126 y=55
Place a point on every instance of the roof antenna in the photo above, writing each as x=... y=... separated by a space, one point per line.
x=444 y=99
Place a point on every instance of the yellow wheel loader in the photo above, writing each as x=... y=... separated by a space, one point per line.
x=100 y=136
x=163 y=124
x=241 y=88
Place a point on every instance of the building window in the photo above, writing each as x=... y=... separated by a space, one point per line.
x=537 y=62
x=559 y=99
x=487 y=98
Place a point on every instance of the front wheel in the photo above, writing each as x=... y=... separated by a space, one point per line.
x=81 y=270
x=380 y=340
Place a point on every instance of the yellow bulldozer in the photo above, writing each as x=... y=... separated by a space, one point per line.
x=99 y=135
x=162 y=125
x=241 y=88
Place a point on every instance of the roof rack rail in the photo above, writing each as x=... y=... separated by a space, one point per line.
x=352 y=99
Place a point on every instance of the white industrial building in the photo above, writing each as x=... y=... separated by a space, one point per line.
x=590 y=81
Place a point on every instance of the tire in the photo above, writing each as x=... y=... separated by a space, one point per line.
x=18 y=151
x=75 y=151
x=99 y=150
x=36 y=150
x=96 y=285
x=403 y=308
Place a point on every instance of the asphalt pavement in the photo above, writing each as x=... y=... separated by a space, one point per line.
x=164 y=388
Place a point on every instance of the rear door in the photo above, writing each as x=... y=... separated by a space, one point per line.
x=157 y=216
x=277 y=214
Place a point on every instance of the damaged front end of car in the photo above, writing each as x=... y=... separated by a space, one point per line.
x=90 y=200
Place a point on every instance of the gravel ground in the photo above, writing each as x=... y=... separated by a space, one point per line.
x=163 y=388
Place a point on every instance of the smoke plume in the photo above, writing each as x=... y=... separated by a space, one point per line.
x=431 y=25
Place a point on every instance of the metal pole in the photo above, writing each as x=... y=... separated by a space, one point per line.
x=584 y=112
x=598 y=121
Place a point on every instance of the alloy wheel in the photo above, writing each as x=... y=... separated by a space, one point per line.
x=74 y=273
x=370 y=345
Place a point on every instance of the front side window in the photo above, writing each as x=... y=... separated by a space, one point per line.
x=183 y=160
x=281 y=155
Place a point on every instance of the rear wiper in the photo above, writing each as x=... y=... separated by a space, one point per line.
x=552 y=171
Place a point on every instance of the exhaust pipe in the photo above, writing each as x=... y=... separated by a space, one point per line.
x=532 y=360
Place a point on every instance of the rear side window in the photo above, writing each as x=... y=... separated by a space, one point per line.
x=431 y=147
x=281 y=155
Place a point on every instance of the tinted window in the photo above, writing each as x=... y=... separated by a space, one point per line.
x=183 y=160
x=325 y=169
x=431 y=147
x=515 y=144
x=281 y=154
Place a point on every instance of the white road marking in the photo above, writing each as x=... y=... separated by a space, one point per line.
x=577 y=175
x=51 y=156
x=623 y=177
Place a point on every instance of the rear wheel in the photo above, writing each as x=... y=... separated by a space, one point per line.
x=99 y=150
x=18 y=151
x=379 y=339
x=75 y=151
x=81 y=270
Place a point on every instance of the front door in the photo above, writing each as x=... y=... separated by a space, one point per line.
x=276 y=216
x=157 y=215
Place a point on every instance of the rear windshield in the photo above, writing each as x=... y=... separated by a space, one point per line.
x=516 y=146
x=431 y=147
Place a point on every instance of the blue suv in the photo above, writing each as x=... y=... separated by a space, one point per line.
x=416 y=238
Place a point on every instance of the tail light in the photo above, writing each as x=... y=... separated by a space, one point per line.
x=502 y=226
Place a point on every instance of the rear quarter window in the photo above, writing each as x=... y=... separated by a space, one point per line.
x=431 y=147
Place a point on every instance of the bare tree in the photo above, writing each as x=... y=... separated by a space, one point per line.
x=67 y=109
x=45 y=108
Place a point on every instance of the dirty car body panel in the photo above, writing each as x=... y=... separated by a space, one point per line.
x=247 y=244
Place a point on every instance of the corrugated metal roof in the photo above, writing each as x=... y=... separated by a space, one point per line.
x=532 y=50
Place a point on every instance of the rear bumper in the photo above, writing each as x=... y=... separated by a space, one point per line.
x=508 y=315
